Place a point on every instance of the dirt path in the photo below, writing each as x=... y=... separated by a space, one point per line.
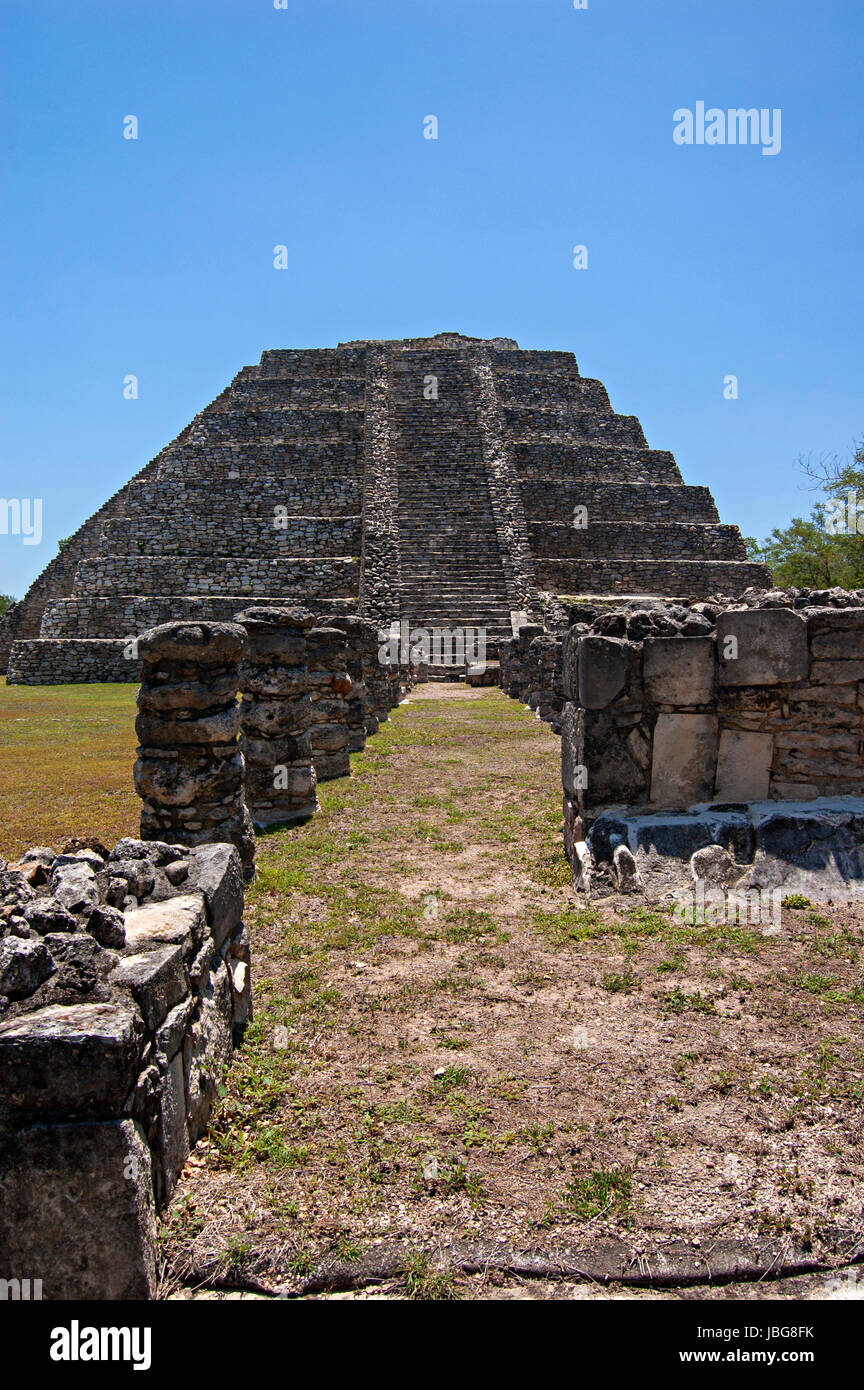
x=448 y=1054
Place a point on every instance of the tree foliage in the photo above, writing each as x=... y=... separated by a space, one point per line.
x=826 y=548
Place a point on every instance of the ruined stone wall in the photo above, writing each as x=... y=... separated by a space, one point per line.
x=53 y=661
x=194 y=574
x=241 y=534
x=124 y=982
x=673 y=578
x=758 y=702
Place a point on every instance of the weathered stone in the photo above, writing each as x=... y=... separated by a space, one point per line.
x=75 y=887
x=206 y=1051
x=73 y=1060
x=173 y=1135
x=744 y=766
x=138 y=875
x=679 y=670
x=48 y=915
x=767 y=646
x=713 y=865
x=216 y=872
x=684 y=758
x=172 y=1032
x=156 y=979
x=573 y=771
x=603 y=667
x=15 y=891
x=77 y=1211
x=176 y=921
x=193 y=644
x=106 y=925
x=156 y=732
x=627 y=875
x=24 y=965
x=82 y=966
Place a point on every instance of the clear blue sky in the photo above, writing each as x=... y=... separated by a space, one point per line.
x=304 y=127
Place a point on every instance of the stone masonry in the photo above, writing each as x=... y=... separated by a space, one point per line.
x=189 y=769
x=449 y=481
x=678 y=722
x=124 y=983
x=275 y=716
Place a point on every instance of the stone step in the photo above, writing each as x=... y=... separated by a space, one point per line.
x=665 y=578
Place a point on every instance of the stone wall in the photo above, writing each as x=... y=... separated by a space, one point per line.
x=672 y=578
x=53 y=661
x=124 y=982
x=197 y=574
x=719 y=702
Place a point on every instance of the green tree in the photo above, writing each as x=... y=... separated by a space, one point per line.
x=826 y=548
x=5 y=601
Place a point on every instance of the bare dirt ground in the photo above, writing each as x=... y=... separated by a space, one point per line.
x=460 y=1083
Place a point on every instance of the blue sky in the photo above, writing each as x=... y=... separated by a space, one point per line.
x=304 y=126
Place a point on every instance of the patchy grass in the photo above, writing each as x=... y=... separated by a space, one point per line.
x=446 y=1045
x=66 y=756
x=468 y=1053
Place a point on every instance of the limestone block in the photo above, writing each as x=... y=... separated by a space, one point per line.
x=277 y=751
x=744 y=766
x=206 y=1050
x=176 y=921
x=171 y=778
x=573 y=772
x=188 y=695
x=156 y=979
x=74 y=1060
x=216 y=871
x=678 y=670
x=684 y=759
x=195 y=644
x=172 y=1140
x=75 y=887
x=603 y=666
x=170 y=1036
x=77 y=1211
x=627 y=876
x=156 y=732
x=771 y=647
x=24 y=966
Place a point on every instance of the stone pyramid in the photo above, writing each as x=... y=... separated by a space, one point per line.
x=451 y=481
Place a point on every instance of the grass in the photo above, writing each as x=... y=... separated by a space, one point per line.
x=66 y=758
x=446 y=1044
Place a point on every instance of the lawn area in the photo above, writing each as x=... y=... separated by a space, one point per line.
x=66 y=757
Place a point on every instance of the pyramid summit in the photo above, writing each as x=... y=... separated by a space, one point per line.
x=447 y=480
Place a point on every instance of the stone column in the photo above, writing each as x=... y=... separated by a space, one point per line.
x=275 y=715
x=375 y=677
x=358 y=696
x=189 y=768
x=329 y=686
